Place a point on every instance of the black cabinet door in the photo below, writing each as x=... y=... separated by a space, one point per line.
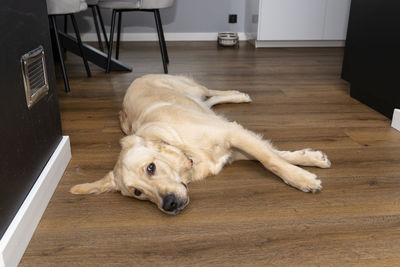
x=28 y=136
x=372 y=54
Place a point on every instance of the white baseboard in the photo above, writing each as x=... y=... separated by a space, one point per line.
x=396 y=119
x=20 y=231
x=212 y=36
x=315 y=43
x=172 y=36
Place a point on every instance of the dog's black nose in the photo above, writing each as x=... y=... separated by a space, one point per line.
x=170 y=203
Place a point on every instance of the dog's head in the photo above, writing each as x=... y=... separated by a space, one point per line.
x=147 y=170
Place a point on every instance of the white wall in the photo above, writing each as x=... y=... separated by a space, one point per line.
x=186 y=16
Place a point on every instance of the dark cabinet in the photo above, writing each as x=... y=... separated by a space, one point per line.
x=372 y=55
x=28 y=136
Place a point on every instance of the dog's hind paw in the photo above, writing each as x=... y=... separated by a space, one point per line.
x=245 y=98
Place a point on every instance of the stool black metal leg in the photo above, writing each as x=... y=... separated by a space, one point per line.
x=102 y=25
x=96 y=25
x=65 y=31
x=118 y=34
x=64 y=72
x=162 y=36
x=111 y=41
x=159 y=31
x=78 y=38
x=65 y=24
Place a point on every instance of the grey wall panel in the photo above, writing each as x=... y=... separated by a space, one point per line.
x=184 y=16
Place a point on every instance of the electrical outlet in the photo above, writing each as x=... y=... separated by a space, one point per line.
x=396 y=119
x=232 y=18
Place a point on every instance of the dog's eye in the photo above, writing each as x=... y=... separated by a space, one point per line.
x=151 y=169
x=137 y=192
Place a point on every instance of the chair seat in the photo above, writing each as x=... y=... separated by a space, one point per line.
x=120 y=6
x=60 y=7
x=135 y=4
x=92 y=2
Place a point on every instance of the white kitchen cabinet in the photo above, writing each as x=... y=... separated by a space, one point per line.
x=298 y=22
x=291 y=19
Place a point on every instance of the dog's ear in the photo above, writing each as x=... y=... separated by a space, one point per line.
x=131 y=140
x=103 y=185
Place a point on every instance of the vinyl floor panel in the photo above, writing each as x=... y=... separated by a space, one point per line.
x=245 y=216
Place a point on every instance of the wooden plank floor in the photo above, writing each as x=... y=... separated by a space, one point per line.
x=245 y=215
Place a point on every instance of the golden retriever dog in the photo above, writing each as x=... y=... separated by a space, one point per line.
x=174 y=138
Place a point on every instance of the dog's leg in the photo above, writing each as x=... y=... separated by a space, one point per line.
x=219 y=97
x=103 y=185
x=263 y=151
x=236 y=98
x=220 y=92
x=305 y=157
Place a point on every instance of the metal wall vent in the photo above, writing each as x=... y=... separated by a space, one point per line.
x=35 y=75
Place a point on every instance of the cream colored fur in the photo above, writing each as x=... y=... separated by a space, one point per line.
x=169 y=122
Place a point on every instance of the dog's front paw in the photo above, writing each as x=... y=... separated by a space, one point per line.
x=313 y=185
x=319 y=158
x=304 y=181
x=324 y=162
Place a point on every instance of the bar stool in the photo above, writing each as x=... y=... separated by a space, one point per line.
x=93 y=4
x=119 y=6
x=67 y=7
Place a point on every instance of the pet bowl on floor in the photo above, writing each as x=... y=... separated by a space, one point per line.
x=228 y=39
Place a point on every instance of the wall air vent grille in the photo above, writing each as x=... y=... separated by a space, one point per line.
x=35 y=76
